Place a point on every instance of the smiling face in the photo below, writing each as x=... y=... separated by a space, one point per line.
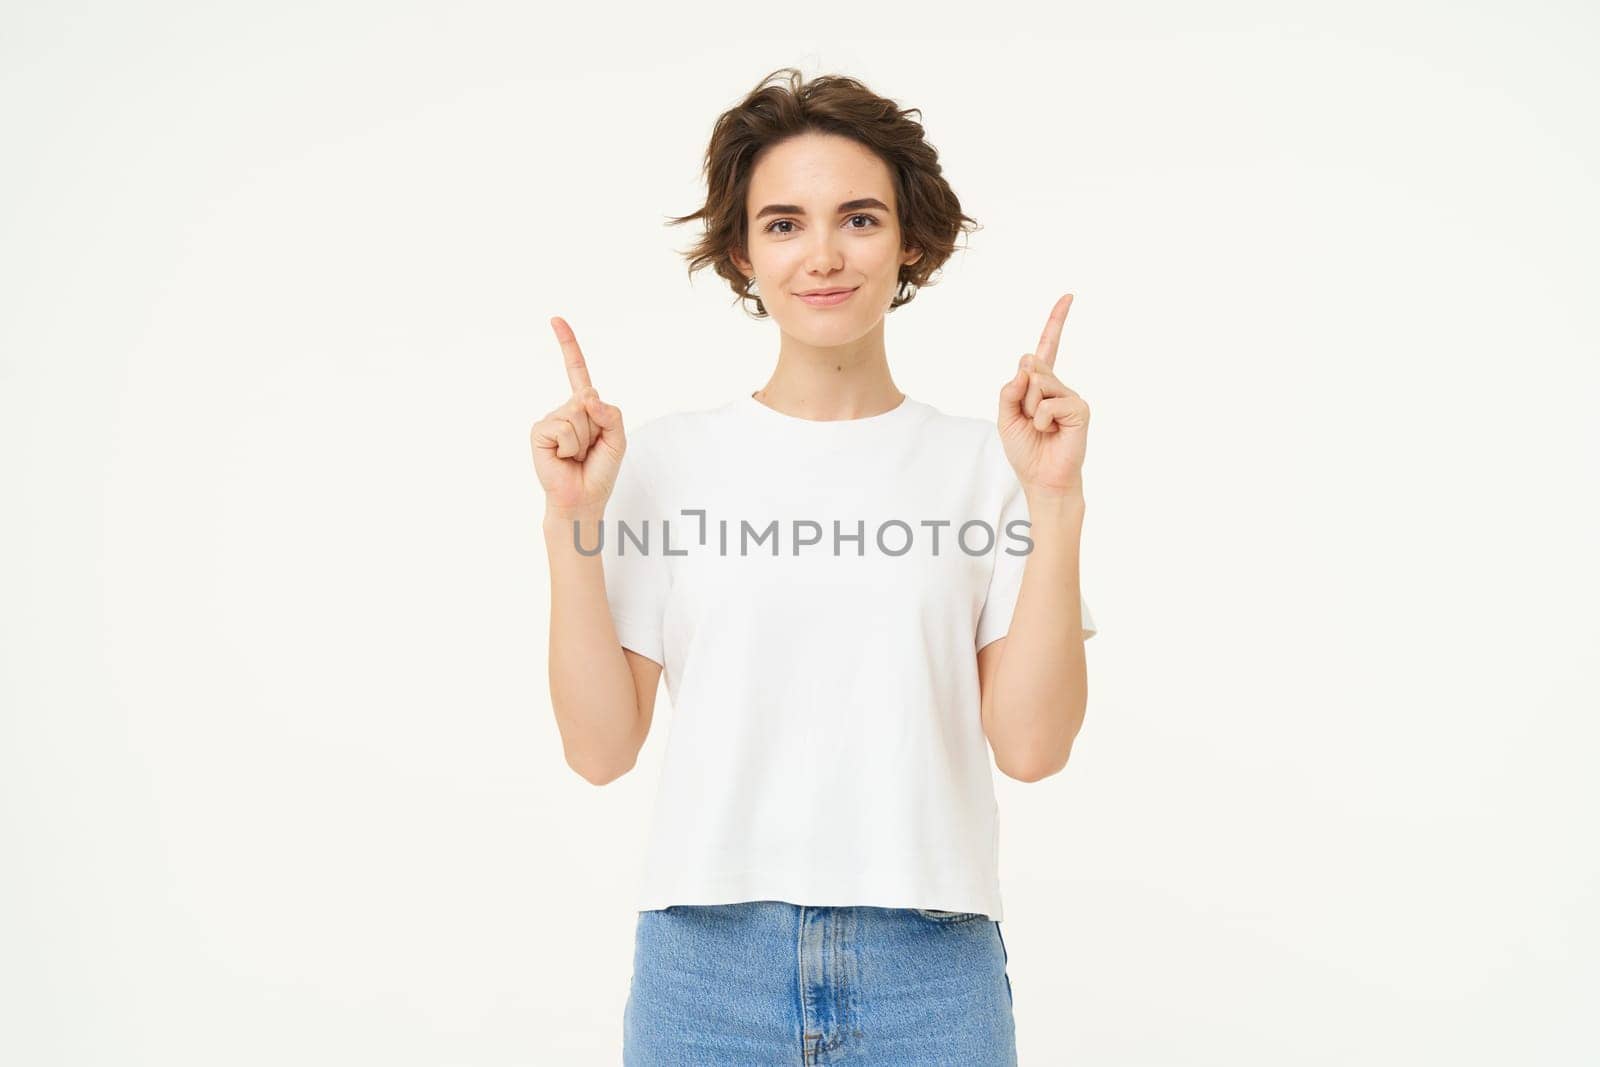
x=821 y=215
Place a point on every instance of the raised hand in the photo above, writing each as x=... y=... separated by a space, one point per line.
x=1044 y=426
x=578 y=447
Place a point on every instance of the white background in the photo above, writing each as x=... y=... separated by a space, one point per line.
x=280 y=779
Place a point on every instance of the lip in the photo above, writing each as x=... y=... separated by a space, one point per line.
x=827 y=300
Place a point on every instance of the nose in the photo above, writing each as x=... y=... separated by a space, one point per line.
x=822 y=257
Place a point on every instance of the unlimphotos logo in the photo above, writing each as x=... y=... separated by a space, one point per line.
x=891 y=537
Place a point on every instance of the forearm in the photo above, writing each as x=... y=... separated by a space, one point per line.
x=1041 y=684
x=591 y=686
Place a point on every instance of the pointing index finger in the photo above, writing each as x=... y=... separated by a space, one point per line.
x=1050 y=340
x=577 y=369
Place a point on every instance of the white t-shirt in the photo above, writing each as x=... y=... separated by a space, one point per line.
x=825 y=746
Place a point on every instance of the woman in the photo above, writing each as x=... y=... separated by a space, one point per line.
x=834 y=579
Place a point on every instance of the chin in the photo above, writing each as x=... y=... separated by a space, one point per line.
x=828 y=335
x=821 y=326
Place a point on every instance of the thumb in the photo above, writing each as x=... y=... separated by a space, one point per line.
x=1011 y=396
x=608 y=417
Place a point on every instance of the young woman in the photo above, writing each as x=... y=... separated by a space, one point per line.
x=852 y=596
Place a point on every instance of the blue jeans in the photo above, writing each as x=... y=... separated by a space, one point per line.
x=768 y=982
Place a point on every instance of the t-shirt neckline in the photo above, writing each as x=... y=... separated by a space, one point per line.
x=750 y=405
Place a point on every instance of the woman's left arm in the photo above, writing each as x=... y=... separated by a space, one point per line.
x=1034 y=681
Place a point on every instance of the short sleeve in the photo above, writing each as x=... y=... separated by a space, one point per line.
x=1006 y=581
x=636 y=580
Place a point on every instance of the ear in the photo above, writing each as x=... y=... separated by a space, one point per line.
x=914 y=257
x=742 y=263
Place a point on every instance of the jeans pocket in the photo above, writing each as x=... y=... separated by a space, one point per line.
x=935 y=915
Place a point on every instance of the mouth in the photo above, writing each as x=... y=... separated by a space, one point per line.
x=826 y=298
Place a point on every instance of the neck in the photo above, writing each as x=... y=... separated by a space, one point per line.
x=849 y=381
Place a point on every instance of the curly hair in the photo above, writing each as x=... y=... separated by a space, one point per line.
x=929 y=213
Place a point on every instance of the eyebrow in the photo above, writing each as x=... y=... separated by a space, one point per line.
x=796 y=209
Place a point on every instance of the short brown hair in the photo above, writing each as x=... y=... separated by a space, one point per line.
x=928 y=211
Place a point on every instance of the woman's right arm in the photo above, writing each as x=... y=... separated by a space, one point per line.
x=603 y=695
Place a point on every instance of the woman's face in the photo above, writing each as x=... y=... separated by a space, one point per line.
x=821 y=215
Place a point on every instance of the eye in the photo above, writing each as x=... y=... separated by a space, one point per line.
x=790 y=222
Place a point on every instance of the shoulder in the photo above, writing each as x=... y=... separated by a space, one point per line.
x=976 y=439
x=668 y=438
x=665 y=431
x=969 y=428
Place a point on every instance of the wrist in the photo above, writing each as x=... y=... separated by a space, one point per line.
x=562 y=518
x=1064 y=503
